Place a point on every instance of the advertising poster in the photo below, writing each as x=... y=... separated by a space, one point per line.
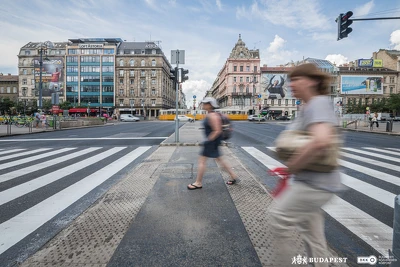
x=338 y=105
x=52 y=76
x=276 y=86
x=364 y=85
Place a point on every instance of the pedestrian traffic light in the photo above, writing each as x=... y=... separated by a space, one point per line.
x=344 y=22
x=183 y=75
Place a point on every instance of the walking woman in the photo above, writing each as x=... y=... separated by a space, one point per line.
x=213 y=130
x=300 y=204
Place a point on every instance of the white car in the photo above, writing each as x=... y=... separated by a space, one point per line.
x=255 y=118
x=184 y=118
x=129 y=117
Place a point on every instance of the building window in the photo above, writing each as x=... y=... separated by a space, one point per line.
x=384 y=90
x=391 y=89
x=247 y=68
x=247 y=79
x=286 y=102
x=279 y=102
x=24 y=81
x=121 y=63
x=108 y=59
x=121 y=81
x=293 y=102
x=121 y=92
x=142 y=83
x=142 y=73
x=108 y=79
x=153 y=82
x=153 y=63
x=255 y=68
x=247 y=89
x=391 y=79
x=234 y=79
x=153 y=91
x=142 y=63
x=153 y=102
x=24 y=72
x=121 y=73
x=27 y=52
x=131 y=73
x=108 y=68
x=132 y=92
x=15 y=90
x=72 y=59
x=132 y=62
x=234 y=68
x=72 y=78
x=254 y=90
x=241 y=68
x=153 y=73
x=241 y=79
x=121 y=102
x=234 y=88
x=8 y=90
x=272 y=102
x=33 y=82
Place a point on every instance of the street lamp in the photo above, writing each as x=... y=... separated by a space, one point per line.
x=42 y=47
x=88 y=110
x=24 y=95
x=131 y=102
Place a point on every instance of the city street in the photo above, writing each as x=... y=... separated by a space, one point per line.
x=75 y=167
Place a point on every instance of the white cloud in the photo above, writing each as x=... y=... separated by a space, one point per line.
x=219 y=4
x=395 y=39
x=195 y=88
x=364 y=9
x=337 y=59
x=292 y=14
x=276 y=54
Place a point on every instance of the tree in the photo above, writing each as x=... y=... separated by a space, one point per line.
x=46 y=104
x=65 y=105
x=393 y=103
x=5 y=105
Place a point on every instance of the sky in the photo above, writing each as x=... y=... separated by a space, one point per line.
x=283 y=30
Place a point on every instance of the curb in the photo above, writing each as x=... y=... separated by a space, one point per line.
x=189 y=144
x=365 y=131
x=64 y=129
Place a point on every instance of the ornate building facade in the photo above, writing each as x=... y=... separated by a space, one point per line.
x=237 y=84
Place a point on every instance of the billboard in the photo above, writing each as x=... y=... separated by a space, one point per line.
x=52 y=76
x=276 y=86
x=338 y=106
x=365 y=85
x=370 y=63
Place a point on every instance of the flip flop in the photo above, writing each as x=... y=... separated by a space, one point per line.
x=194 y=187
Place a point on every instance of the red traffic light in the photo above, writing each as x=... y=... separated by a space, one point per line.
x=347 y=15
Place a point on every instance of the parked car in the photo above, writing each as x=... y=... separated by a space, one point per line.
x=282 y=118
x=128 y=117
x=255 y=118
x=184 y=118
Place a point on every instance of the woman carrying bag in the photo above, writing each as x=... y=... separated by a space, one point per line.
x=299 y=205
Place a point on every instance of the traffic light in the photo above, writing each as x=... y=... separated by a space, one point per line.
x=344 y=22
x=173 y=74
x=183 y=75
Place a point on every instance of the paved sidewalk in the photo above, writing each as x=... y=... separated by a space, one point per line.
x=362 y=126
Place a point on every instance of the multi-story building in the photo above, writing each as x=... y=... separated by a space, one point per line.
x=29 y=71
x=90 y=75
x=8 y=87
x=237 y=83
x=143 y=83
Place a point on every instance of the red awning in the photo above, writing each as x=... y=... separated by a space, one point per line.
x=82 y=110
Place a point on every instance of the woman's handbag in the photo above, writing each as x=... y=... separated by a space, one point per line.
x=290 y=141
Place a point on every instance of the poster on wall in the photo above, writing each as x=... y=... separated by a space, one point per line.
x=52 y=76
x=276 y=86
x=364 y=85
x=338 y=105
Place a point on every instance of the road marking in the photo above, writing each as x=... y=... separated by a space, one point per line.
x=44 y=164
x=372 y=161
x=11 y=151
x=395 y=149
x=378 y=235
x=372 y=154
x=18 y=227
x=24 y=153
x=383 y=151
x=25 y=188
x=80 y=139
x=26 y=160
x=366 y=227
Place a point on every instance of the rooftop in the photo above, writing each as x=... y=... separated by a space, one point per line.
x=8 y=78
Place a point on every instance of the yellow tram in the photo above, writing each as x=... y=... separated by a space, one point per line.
x=232 y=114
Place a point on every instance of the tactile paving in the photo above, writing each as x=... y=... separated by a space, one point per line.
x=92 y=238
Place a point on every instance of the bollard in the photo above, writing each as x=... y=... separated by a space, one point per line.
x=396 y=234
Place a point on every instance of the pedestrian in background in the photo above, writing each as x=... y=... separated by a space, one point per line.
x=299 y=206
x=213 y=130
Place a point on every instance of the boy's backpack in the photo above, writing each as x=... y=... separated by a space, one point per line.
x=226 y=127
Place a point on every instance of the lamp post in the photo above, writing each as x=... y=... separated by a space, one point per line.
x=88 y=110
x=42 y=47
x=131 y=103
x=24 y=95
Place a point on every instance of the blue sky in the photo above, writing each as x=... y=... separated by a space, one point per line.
x=283 y=30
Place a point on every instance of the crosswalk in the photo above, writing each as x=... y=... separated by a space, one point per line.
x=373 y=174
x=27 y=175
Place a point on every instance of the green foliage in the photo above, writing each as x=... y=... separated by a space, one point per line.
x=65 y=105
x=393 y=103
x=5 y=105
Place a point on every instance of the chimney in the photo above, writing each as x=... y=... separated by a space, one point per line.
x=9 y=74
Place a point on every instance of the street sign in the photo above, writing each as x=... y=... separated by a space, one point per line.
x=194 y=97
x=298 y=102
x=259 y=96
x=178 y=56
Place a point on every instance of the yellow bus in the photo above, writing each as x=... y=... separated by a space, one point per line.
x=234 y=114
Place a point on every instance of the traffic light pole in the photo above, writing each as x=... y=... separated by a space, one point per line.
x=176 y=100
